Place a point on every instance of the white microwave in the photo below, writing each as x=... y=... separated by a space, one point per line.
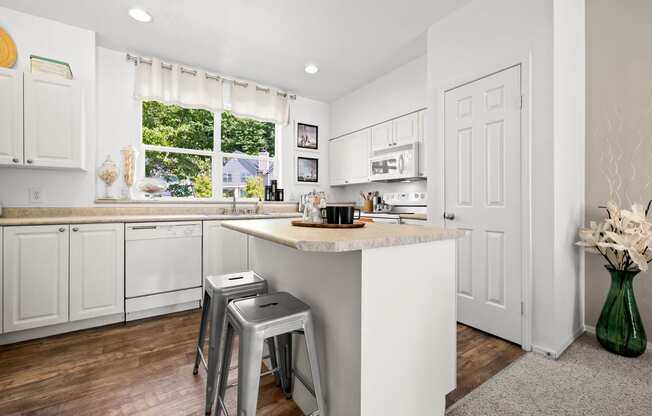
x=399 y=163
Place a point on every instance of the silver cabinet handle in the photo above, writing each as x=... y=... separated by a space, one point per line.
x=15 y=160
x=29 y=161
x=449 y=216
x=75 y=229
x=62 y=229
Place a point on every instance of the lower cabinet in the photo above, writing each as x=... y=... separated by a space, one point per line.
x=225 y=251
x=96 y=270
x=35 y=274
x=58 y=273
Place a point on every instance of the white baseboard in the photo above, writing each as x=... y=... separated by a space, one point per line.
x=47 y=331
x=591 y=330
x=555 y=354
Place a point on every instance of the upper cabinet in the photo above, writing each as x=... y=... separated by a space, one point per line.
x=44 y=116
x=349 y=158
x=11 y=117
x=406 y=129
x=382 y=136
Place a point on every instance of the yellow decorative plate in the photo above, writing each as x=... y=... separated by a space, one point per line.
x=7 y=50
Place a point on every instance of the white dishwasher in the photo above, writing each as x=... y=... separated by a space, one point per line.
x=162 y=268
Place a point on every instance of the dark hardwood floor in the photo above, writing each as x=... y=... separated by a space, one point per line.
x=145 y=368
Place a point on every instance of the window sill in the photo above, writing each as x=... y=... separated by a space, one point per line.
x=189 y=201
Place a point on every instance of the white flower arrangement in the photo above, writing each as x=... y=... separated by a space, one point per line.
x=624 y=238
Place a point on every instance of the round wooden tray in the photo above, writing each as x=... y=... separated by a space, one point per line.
x=300 y=223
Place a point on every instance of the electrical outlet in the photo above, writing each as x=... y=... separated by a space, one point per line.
x=36 y=195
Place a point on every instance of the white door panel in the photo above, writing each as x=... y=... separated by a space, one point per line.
x=406 y=129
x=482 y=182
x=53 y=122
x=35 y=273
x=11 y=118
x=382 y=136
x=96 y=270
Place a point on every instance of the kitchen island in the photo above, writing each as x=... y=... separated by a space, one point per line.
x=383 y=300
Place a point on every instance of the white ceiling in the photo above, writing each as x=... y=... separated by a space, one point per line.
x=352 y=41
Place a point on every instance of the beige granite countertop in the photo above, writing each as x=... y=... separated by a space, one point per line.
x=95 y=219
x=373 y=235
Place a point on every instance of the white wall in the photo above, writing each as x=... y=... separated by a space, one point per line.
x=394 y=94
x=119 y=121
x=479 y=39
x=38 y=36
x=569 y=155
x=619 y=121
x=398 y=92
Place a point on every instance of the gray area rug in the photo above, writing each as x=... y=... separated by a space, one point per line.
x=586 y=380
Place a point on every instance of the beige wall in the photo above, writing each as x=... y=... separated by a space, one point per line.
x=619 y=126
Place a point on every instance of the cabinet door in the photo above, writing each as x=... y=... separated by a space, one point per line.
x=337 y=154
x=35 y=276
x=225 y=251
x=53 y=122
x=358 y=149
x=406 y=129
x=423 y=145
x=382 y=136
x=96 y=270
x=11 y=118
x=1 y=300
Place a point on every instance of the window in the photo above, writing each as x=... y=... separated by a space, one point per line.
x=181 y=148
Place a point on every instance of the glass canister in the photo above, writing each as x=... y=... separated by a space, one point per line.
x=129 y=156
x=108 y=173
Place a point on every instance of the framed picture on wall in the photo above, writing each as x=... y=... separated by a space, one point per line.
x=307 y=169
x=307 y=136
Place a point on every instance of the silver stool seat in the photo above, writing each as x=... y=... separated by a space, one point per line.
x=219 y=291
x=255 y=320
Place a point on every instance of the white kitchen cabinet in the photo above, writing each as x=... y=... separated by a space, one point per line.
x=406 y=129
x=11 y=117
x=96 y=270
x=423 y=145
x=35 y=273
x=53 y=122
x=1 y=301
x=352 y=154
x=382 y=136
x=225 y=251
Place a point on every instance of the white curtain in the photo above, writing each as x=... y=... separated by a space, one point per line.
x=192 y=89
x=264 y=104
x=187 y=88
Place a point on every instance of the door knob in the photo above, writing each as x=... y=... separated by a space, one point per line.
x=449 y=216
x=15 y=160
x=62 y=229
x=29 y=161
x=75 y=229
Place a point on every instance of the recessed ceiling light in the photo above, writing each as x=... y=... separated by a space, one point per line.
x=140 y=15
x=312 y=69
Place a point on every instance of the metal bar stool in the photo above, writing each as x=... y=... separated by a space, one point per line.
x=218 y=292
x=255 y=320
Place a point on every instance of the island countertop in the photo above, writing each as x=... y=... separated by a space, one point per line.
x=373 y=235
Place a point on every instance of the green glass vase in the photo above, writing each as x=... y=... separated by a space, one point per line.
x=620 y=329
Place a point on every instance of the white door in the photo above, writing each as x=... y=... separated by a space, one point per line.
x=406 y=129
x=482 y=182
x=356 y=157
x=53 y=122
x=11 y=118
x=382 y=136
x=96 y=270
x=35 y=276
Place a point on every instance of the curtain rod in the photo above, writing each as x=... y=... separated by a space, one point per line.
x=140 y=59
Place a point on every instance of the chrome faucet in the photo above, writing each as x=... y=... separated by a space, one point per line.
x=233 y=204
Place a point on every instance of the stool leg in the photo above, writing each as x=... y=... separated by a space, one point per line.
x=314 y=364
x=202 y=330
x=249 y=361
x=225 y=363
x=271 y=346
x=216 y=345
x=285 y=362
